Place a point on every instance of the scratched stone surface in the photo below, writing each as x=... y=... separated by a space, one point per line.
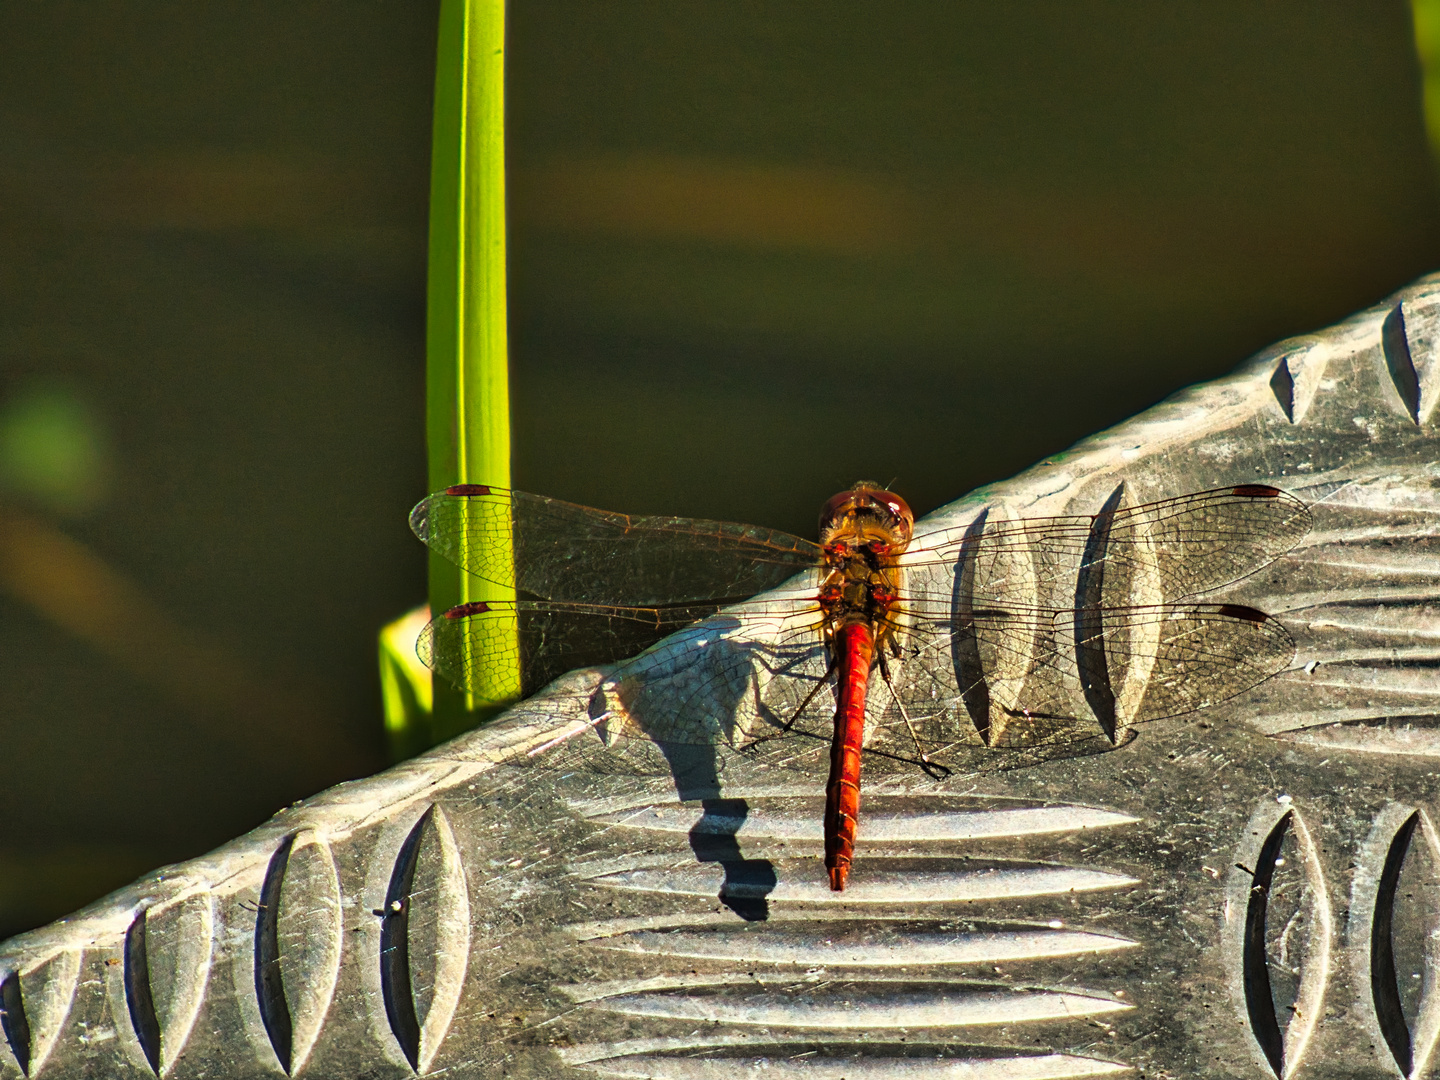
x=1250 y=890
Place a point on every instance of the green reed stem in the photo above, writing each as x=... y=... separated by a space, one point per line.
x=467 y=374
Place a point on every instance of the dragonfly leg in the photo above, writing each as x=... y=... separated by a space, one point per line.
x=829 y=671
x=904 y=712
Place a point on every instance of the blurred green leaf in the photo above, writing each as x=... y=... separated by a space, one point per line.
x=53 y=450
x=405 y=687
x=1427 y=44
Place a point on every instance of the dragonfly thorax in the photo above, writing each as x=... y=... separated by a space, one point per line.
x=862 y=530
x=858 y=593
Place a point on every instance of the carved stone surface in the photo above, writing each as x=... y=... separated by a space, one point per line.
x=1251 y=890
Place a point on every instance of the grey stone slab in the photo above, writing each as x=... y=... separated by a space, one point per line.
x=1252 y=889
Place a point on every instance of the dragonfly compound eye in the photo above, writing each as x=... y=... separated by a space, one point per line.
x=900 y=512
x=866 y=500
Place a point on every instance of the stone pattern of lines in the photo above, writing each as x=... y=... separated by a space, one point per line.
x=973 y=915
x=1248 y=891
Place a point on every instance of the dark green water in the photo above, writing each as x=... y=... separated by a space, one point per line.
x=758 y=251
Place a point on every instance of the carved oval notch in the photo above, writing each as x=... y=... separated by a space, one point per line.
x=34 y=1007
x=1408 y=338
x=425 y=938
x=1279 y=904
x=14 y=1021
x=166 y=967
x=1115 y=652
x=297 y=946
x=139 y=1000
x=989 y=668
x=1404 y=920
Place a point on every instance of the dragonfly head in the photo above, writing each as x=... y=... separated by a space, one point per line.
x=864 y=514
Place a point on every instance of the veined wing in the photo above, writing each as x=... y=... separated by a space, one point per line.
x=987 y=690
x=991 y=676
x=560 y=551
x=1036 y=683
x=717 y=676
x=982 y=690
x=1180 y=547
x=552 y=638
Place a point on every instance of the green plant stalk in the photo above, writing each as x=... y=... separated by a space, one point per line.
x=1426 y=15
x=467 y=375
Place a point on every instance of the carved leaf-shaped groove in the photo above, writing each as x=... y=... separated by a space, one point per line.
x=1416 y=735
x=854 y=1005
x=167 y=956
x=802 y=819
x=178 y=936
x=1281 y=938
x=34 y=1005
x=1398 y=892
x=138 y=999
x=310 y=934
x=269 y=986
x=868 y=1063
x=425 y=938
x=1039 y=1067
x=1297 y=378
x=298 y=936
x=14 y=1021
x=804 y=881
x=1408 y=339
x=863 y=943
x=989 y=665
x=1114 y=651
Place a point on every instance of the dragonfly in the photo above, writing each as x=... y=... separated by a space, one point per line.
x=1033 y=637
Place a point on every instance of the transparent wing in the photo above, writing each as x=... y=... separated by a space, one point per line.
x=724 y=678
x=560 y=551
x=996 y=687
x=981 y=691
x=1021 y=640
x=552 y=638
x=1186 y=545
x=732 y=679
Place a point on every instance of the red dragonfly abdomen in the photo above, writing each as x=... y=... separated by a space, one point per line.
x=855 y=649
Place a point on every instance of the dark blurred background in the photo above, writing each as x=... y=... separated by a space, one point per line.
x=758 y=251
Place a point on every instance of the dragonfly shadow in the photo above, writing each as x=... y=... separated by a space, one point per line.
x=714 y=838
x=693 y=735
x=772 y=702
